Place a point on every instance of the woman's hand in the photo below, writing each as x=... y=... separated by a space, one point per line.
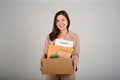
x=41 y=65
x=74 y=67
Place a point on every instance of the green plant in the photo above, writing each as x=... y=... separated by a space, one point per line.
x=54 y=56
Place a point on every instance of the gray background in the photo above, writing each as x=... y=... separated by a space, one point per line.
x=24 y=25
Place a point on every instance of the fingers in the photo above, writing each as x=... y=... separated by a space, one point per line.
x=41 y=65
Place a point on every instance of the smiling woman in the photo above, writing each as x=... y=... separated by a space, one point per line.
x=60 y=25
x=97 y=22
x=61 y=31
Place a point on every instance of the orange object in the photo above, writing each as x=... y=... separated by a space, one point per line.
x=52 y=49
x=64 y=54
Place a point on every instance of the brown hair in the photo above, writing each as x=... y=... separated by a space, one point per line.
x=55 y=31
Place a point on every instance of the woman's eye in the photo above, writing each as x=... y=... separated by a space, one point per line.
x=63 y=20
x=57 y=21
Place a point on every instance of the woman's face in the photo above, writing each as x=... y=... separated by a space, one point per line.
x=61 y=22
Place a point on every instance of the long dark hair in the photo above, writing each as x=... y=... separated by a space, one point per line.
x=55 y=31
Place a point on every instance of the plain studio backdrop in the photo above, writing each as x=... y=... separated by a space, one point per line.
x=24 y=25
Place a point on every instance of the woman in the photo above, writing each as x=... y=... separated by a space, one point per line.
x=61 y=30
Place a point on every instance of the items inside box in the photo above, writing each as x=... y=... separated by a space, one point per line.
x=59 y=51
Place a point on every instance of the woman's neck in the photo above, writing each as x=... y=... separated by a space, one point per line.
x=63 y=33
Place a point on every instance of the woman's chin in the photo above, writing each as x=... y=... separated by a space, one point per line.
x=62 y=29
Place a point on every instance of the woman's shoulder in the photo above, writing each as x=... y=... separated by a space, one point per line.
x=48 y=40
x=74 y=34
x=47 y=36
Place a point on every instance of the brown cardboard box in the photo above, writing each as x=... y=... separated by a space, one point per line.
x=57 y=66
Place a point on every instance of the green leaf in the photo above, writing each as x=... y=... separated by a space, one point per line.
x=54 y=56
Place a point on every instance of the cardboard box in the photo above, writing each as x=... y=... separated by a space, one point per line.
x=57 y=66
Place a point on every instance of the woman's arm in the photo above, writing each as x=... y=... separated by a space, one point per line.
x=76 y=51
x=45 y=50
